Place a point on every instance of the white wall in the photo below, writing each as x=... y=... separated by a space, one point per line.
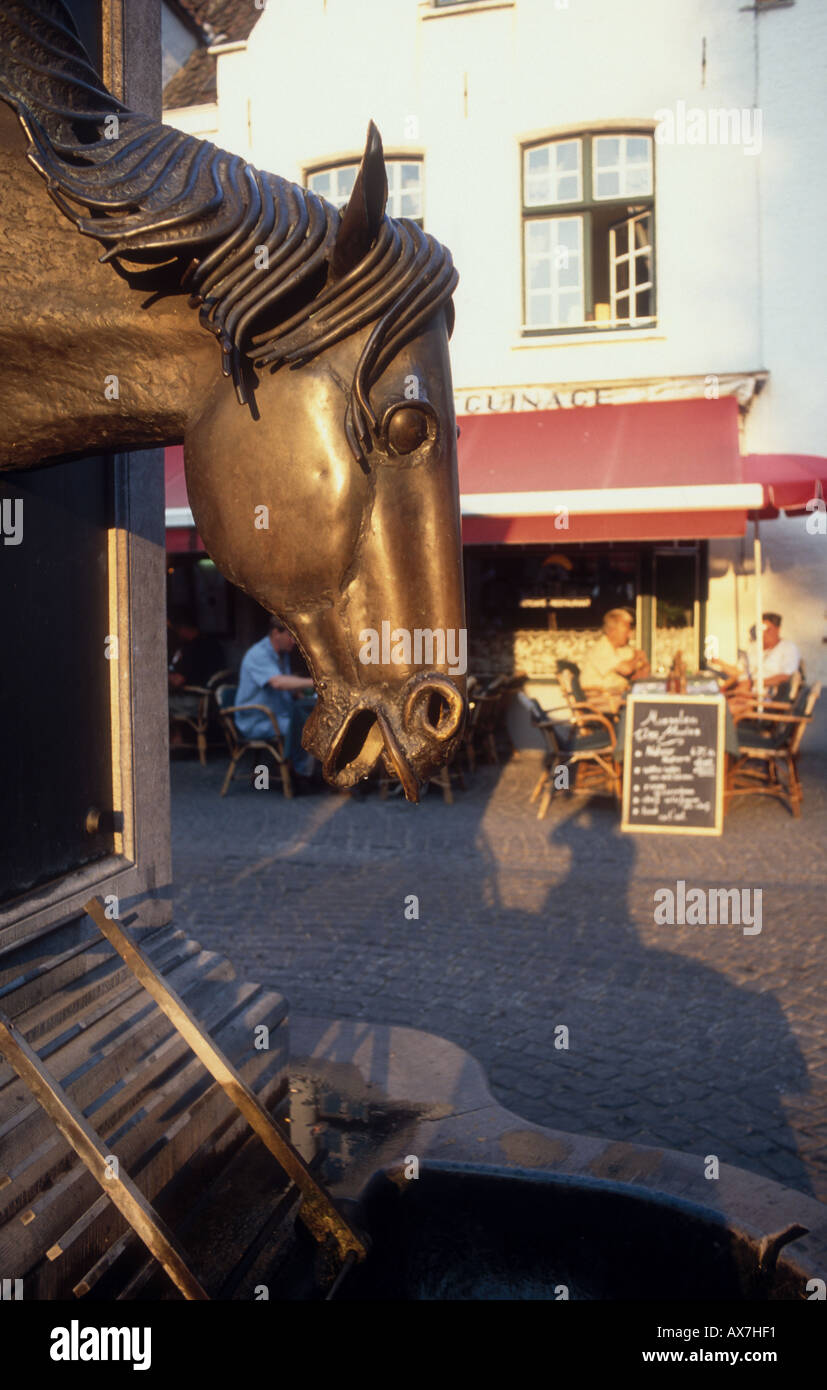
x=477 y=84
x=201 y=121
x=790 y=414
x=740 y=236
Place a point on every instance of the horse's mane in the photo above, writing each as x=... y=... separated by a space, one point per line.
x=159 y=197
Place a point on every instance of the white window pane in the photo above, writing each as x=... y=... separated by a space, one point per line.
x=539 y=274
x=538 y=237
x=539 y=310
x=410 y=205
x=606 y=151
x=638 y=181
x=568 y=232
x=345 y=179
x=410 y=175
x=568 y=272
x=537 y=191
x=566 y=152
x=568 y=311
x=622 y=166
x=551 y=173
x=334 y=184
x=567 y=170
x=608 y=185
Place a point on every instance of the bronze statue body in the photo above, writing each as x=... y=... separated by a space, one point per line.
x=321 y=461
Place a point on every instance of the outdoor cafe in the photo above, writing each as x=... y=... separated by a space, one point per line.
x=542 y=570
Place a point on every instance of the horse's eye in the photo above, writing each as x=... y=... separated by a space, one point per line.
x=407 y=429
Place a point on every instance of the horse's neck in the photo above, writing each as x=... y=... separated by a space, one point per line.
x=83 y=366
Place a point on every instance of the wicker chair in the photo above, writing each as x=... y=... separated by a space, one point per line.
x=587 y=743
x=238 y=745
x=200 y=721
x=769 y=740
x=487 y=707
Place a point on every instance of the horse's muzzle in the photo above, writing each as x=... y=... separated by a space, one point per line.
x=414 y=733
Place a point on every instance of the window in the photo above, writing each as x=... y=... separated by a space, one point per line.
x=588 y=228
x=405 y=186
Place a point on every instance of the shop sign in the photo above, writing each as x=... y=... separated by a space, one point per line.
x=506 y=400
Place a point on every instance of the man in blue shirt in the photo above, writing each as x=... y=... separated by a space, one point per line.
x=266 y=679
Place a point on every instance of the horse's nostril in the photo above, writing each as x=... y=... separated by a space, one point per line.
x=438 y=712
x=437 y=707
x=360 y=745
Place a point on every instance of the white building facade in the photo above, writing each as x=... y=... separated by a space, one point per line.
x=635 y=197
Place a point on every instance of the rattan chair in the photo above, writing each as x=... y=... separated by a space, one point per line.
x=587 y=743
x=769 y=740
x=487 y=707
x=200 y=721
x=238 y=745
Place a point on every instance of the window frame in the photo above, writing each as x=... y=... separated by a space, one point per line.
x=585 y=209
x=353 y=161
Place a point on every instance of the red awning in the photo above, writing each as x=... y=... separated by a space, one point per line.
x=650 y=471
x=181 y=535
x=789 y=481
x=667 y=470
x=174 y=481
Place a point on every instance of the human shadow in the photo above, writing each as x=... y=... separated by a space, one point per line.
x=523 y=929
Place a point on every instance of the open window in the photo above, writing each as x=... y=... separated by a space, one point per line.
x=588 y=233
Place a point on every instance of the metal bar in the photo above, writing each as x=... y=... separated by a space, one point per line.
x=74 y=1127
x=317 y=1211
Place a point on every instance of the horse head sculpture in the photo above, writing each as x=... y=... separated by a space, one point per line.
x=321 y=462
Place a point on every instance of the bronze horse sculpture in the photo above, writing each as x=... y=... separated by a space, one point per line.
x=327 y=491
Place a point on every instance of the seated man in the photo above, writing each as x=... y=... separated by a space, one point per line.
x=612 y=662
x=781 y=660
x=266 y=679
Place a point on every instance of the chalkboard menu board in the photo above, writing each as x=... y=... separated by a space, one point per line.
x=673 y=764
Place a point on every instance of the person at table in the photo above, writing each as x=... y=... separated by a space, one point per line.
x=781 y=660
x=266 y=679
x=193 y=656
x=612 y=663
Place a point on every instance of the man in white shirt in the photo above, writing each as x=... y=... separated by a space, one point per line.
x=612 y=662
x=781 y=658
x=781 y=661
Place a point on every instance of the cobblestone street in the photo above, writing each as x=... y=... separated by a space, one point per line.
x=699 y=1038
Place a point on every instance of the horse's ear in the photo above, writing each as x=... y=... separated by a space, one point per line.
x=362 y=217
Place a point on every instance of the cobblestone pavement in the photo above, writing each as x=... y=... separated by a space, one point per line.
x=699 y=1038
